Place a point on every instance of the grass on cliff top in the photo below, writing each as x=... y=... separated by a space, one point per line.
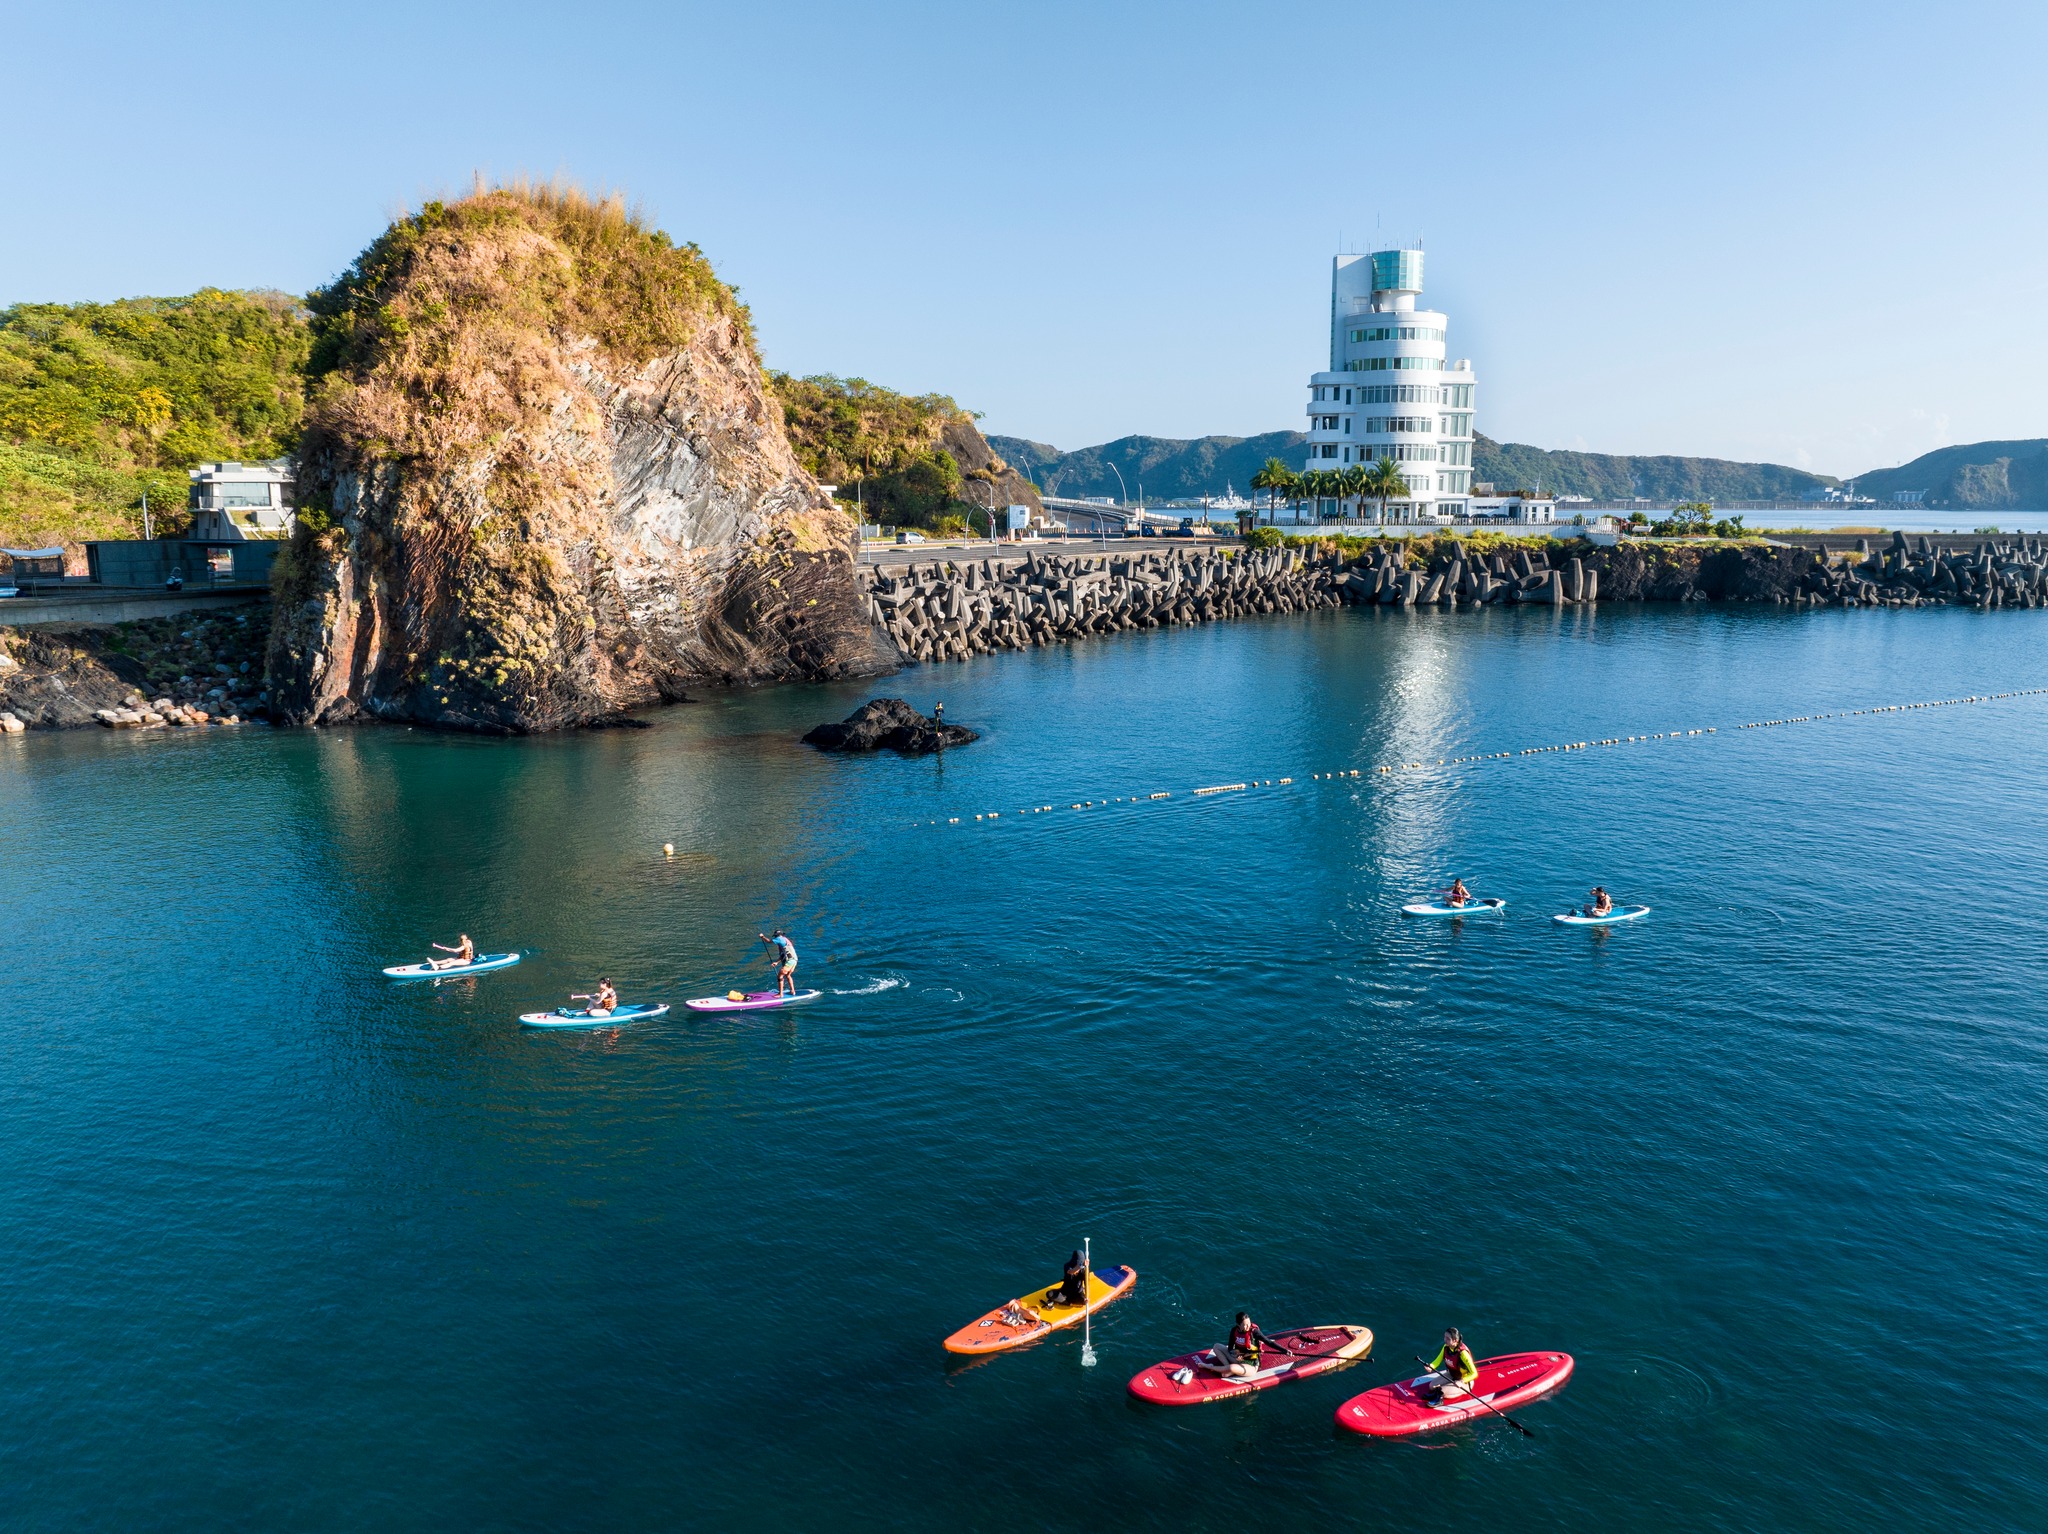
x=545 y=257
x=100 y=401
x=847 y=431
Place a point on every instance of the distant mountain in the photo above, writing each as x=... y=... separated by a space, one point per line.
x=1168 y=469
x=1993 y=475
x=1620 y=476
x=1172 y=469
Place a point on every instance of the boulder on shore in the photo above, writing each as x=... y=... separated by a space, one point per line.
x=888 y=723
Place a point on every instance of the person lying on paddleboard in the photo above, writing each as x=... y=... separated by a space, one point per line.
x=464 y=951
x=785 y=962
x=603 y=1001
x=1457 y=894
x=1240 y=1355
x=1603 y=903
x=1452 y=1366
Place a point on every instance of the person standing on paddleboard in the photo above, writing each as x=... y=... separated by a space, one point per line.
x=1452 y=1366
x=464 y=951
x=785 y=961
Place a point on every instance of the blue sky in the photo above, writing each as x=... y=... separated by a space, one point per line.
x=1810 y=233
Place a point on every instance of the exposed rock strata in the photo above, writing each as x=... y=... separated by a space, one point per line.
x=889 y=724
x=557 y=487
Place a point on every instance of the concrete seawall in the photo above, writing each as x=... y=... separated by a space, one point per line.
x=947 y=610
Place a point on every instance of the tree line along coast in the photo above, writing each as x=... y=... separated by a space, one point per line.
x=543 y=480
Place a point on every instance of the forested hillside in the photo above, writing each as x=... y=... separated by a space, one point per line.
x=2001 y=475
x=910 y=460
x=1173 y=469
x=100 y=402
x=1167 y=468
x=1621 y=476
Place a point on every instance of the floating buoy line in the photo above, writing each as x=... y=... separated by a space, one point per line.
x=1391 y=769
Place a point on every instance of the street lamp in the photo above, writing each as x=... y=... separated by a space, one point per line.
x=1102 y=523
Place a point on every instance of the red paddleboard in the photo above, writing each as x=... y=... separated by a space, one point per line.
x=1197 y=1377
x=1513 y=1379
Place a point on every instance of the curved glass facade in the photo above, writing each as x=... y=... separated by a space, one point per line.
x=1400 y=269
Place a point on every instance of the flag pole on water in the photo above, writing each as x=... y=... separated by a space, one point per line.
x=1087 y=1304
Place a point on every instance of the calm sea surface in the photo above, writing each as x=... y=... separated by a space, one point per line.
x=287 y=1246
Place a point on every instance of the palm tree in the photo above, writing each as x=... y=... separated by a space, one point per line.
x=1276 y=479
x=1385 y=480
x=1355 y=479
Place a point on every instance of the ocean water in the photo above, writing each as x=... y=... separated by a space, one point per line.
x=289 y=1246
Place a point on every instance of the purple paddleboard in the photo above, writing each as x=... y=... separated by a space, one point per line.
x=752 y=1002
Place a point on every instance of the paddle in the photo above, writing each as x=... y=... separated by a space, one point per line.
x=1510 y=1421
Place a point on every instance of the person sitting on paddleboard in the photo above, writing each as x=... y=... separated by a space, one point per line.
x=1457 y=894
x=1073 y=1287
x=603 y=1001
x=1602 y=904
x=1241 y=1353
x=785 y=962
x=464 y=951
x=1452 y=1366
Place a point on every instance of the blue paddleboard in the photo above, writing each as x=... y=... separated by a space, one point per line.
x=430 y=971
x=568 y=1018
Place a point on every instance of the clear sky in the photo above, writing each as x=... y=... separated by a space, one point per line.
x=1813 y=233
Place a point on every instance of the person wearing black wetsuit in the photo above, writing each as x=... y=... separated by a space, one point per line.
x=1073 y=1287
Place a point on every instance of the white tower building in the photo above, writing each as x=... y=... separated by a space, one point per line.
x=1391 y=392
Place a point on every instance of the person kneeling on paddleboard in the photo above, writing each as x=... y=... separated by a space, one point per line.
x=464 y=951
x=1603 y=903
x=1457 y=894
x=785 y=962
x=1452 y=1366
x=603 y=1001
x=1242 y=1352
x=1073 y=1285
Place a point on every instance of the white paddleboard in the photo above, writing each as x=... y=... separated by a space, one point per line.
x=635 y=1012
x=1470 y=907
x=753 y=1001
x=430 y=971
x=1619 y=913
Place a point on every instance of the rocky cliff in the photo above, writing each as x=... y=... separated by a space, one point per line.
x=545 y=484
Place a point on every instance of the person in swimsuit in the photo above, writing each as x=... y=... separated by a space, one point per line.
x=1603 y=903
x=603 y=1001
x=1451 y=1368
x=1457 y=894
x=464 y=951
x=785 y=962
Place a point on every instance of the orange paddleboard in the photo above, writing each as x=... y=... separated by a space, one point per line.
x=1029 y=1317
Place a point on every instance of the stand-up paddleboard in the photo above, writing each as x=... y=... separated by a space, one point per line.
x=432 y=971
x=752 y=1001
x=1399 y=1409
x=1619 y=913
x=1430 y=908
x=1030 y=1316
x=568 y=1017
x=1197 y=1377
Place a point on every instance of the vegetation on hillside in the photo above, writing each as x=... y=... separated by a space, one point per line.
x=102 y=402
x=879 y=447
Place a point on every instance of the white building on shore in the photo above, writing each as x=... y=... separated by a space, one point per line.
x=1392 y=391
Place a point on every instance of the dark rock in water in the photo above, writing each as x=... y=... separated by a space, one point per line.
x=892 y=724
